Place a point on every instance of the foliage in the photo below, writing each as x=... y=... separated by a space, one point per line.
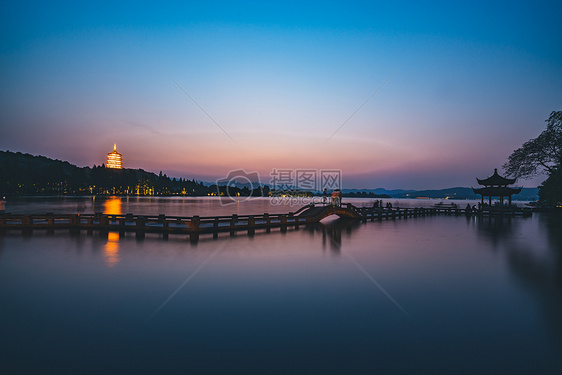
x=538 y=155
x=550 y=191
x=25 y=174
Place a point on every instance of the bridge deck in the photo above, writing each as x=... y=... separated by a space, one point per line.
x=193 y=226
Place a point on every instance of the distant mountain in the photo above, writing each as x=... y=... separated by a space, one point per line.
x=464 y=193
x=240 y=185
x=527 y=194
x=378 y=191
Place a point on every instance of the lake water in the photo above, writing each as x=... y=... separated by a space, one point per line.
x=439 y=294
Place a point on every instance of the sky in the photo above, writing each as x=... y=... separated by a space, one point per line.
x=394 y=94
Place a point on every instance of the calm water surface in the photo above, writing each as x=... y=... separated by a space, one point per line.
x=421 y=295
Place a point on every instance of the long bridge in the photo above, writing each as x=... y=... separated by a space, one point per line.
x=196 y=225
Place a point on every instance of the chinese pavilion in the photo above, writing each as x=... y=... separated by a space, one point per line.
x=496 y=186
x=114 y=159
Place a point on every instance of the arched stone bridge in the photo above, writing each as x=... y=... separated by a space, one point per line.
x=315 y=213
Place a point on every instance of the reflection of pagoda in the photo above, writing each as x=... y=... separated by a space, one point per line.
x=496 y=186
x=114 y=159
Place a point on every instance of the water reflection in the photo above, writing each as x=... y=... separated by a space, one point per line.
x=495 y=229
x=112 y=206
x=537 y=265
x=111 y=250
x=553 y=223
x=542 y=273
x=495 y=303
x=331 y=232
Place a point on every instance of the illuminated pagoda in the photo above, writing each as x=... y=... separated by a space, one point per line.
x=496 y=186
x=114 y=159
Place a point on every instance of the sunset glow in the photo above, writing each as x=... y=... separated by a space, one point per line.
x=394 y=95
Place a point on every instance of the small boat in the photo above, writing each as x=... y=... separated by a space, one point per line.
x=445 y=205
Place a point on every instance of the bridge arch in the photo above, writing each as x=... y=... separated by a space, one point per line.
x=321 y=212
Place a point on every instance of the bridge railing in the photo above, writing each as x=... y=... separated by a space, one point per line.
x=352 y=207
x=179 y=224
x=303 y=208
x=132 y=222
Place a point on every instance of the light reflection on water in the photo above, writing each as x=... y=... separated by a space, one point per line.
x=111 y=249
x=112 y=206
x=484 y=296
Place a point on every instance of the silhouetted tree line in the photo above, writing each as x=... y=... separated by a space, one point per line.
x=25 y=174
x=232 y=191
x=542 y=155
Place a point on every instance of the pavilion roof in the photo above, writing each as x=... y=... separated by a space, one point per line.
x=496 y=191
x=496 y=180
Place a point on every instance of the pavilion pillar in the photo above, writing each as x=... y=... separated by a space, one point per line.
x=510 y=200
x=490 y=200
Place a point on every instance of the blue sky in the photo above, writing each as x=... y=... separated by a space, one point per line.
x=472 y=82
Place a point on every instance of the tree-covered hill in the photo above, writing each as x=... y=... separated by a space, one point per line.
x=25 y=174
